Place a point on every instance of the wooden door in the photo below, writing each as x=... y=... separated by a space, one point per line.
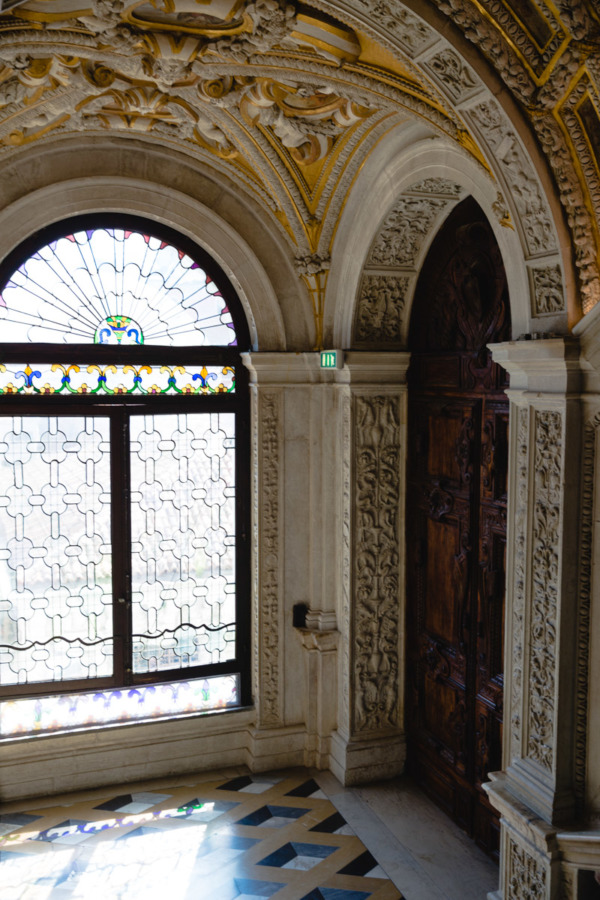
x=456 y=522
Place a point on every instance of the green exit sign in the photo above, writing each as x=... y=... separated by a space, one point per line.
x=332 y=359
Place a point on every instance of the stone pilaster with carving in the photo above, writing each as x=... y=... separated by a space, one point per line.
x=296 y=500
x=376 y=562
x=268 y=557
x=541 y=674
x=369 y=740
x=540 y=614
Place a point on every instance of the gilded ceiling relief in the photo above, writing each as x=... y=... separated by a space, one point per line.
x=290 y=101
x=287 y=98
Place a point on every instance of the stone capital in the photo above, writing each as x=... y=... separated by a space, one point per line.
x=374 y=368
x=545 y=367
x=379 y=369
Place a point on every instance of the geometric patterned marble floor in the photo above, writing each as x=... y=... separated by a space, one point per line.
x=247 y=837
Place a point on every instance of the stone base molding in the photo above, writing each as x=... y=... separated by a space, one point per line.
x=364 y=760
x=528 y=849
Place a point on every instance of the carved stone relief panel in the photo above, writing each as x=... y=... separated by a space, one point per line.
x=520 y=569
x=453 y=74
x=411 y=32
x=524 y=188
x=384 y=295
x=573 y=199
x=269 y=587
x=545 y=588
x=376 y=563
x=437 y=186
x=548 y=296
x=380 y=309
x=402 y=234
x=526 y=876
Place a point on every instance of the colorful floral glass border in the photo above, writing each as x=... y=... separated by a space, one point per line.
x=25 y=717
x=64 y=379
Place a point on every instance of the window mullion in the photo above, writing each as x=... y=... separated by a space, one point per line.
x=121 y=542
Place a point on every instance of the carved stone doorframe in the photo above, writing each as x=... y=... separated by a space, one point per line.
x=536 y=791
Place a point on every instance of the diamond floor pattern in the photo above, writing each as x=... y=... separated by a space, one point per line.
x=242 y=838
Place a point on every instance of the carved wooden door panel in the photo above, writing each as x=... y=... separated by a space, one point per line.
x=456 y=523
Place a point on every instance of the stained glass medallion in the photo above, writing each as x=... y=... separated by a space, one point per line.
x=114 y=286
x=118 y=330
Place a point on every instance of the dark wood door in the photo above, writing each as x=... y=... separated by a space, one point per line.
x=456 y=523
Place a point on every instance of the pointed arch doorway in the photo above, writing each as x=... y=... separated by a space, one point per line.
x=456 y=521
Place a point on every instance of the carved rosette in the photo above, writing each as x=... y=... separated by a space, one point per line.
x=376 y=562
x=519 y=569
x=526 y=876
x=269 y=614
x=545 y=574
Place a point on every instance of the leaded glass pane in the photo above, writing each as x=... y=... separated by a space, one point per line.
x=112 y=286
x=55 y=549
x=54 y=378
x=183 y=540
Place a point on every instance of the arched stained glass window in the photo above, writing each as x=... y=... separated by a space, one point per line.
x=123 y=480
x=114 y=286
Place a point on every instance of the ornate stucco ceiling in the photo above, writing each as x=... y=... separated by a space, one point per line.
x=284 y=99
x=289 y=100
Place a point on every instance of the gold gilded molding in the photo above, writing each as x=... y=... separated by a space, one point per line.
x=314 y=272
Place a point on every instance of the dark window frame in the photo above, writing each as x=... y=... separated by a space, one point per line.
x=119 y=408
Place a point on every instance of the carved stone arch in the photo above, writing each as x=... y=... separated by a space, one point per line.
x=507 y=142
x=64 y=181
x=390 y=175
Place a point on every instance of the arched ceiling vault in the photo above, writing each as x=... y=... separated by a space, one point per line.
x=290 y=100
